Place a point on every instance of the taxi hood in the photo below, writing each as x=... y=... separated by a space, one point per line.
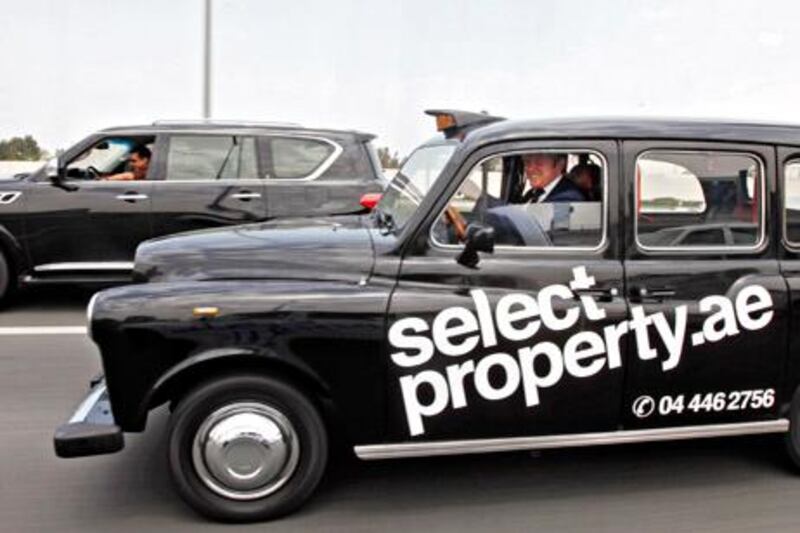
x=332 y=248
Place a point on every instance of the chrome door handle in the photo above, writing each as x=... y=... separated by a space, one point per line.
x=131 y=197
x=603 y=295
x=246 y=195
x=639 y=294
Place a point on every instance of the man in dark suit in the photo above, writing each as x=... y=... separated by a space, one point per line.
x=545 y=174
x=547 y=181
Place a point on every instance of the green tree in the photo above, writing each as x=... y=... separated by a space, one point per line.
x=21 y=149
x=388 y=160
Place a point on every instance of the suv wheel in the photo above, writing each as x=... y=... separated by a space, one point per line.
x=6 y=283
x=245 y=448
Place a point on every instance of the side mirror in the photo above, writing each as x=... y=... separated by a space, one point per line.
x=51 y=169
x=56 y=174
x=478 y=239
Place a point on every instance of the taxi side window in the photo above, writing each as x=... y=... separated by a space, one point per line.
x=791 y=202
x=211 y=158
x=698 y=200
x=549 y=199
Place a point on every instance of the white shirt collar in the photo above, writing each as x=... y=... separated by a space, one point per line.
x=549 y=188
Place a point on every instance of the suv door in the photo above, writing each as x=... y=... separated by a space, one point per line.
x=708 y=301
x=89 y=223
x=480 y=352
x=207 y=180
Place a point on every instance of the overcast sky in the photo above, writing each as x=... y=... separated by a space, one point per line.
x=68 y=68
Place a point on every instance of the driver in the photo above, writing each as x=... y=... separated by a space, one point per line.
x=545 y=174
x=138 y=163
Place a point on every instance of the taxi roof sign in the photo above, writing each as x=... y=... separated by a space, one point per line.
x=457 y=123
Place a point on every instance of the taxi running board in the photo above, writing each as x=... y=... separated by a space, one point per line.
x=459 y=447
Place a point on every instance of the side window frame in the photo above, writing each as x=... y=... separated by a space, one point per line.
x=786 y=156
x=267 y=158
x=164 y=142
x=89 y=142
x=764 y=155
x=607 y=150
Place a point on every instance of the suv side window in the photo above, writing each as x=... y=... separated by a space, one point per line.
x=107 y=156
x=697 y=199
x=211 y=158
x=296 y=158
x=543 y=199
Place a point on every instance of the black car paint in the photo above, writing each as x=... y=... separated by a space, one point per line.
x=87 y=221
x=315 y=304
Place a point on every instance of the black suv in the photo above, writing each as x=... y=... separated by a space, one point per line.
x=530 y=285
x=81 y=217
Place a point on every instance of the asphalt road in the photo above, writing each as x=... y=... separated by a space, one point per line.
x=714 y=485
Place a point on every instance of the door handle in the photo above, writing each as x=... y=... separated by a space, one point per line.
x=131 y=197
x=602 y=295
x=656 y=293
x=246 y=196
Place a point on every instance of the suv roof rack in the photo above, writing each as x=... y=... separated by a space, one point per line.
x=214 y=122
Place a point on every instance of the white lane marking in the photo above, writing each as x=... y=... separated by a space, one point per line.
x=43 y=330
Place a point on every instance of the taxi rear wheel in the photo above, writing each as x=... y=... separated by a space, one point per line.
x=792 y=437
x=245 y=448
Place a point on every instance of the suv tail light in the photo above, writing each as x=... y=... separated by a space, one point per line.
x=370 y=200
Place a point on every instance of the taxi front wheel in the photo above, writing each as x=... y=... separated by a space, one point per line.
x=245 y=448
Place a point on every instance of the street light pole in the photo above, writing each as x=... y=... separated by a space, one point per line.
x=207 y=63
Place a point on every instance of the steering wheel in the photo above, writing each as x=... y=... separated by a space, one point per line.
x=92 y=173
x=457 y=220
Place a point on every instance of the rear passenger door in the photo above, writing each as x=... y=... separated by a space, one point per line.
x=708 y=303
x=207 y=180
x=315 y=175
x=789 y=194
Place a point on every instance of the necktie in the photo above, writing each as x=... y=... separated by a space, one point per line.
x=532 y=196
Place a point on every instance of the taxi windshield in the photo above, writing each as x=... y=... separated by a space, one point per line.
x=412 y=182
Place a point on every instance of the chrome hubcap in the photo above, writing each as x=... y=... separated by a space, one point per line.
x=245 y=451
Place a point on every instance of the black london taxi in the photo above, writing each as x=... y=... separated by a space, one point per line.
x=80 y=218
x=526 y=285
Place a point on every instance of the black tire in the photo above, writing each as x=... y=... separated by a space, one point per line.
x=211 y=397
x=7 y=285
x=792 y=437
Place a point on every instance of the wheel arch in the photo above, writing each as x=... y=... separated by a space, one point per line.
x=217 y=362
x=14 y=255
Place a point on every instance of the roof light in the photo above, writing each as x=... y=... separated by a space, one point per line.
x=445 y=121
x=455 y=124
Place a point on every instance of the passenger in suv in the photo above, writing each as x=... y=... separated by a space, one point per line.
x=81 y=217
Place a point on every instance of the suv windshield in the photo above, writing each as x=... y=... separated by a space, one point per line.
x=411 y=184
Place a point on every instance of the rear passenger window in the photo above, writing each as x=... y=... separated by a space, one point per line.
x=699 y=200
x=294 y=158
x=791 y=202
x=211 y=158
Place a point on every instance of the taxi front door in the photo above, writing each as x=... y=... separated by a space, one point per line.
x=525 y=344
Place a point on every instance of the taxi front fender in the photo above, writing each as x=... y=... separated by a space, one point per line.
x=159 y=340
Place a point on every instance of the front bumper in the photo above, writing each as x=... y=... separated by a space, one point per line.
x=91 y=430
